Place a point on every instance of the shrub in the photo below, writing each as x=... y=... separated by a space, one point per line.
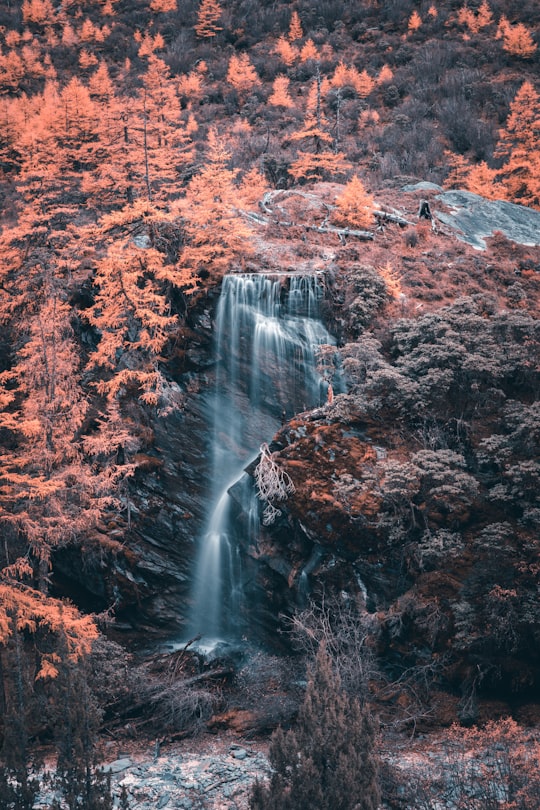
x=328 y=760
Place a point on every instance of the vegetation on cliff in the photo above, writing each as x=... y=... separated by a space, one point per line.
x=136 y=143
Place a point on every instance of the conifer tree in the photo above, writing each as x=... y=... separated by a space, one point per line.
x=518 y=41
x=328 y=760
x=519 y=147
x=280 y=96
x=163 y=6
x=287 y=52
x=295 y=28
x=208 y=17
x=17 y=788
x=77 y=723
x=308 y=51
x=216 y=234
x=485 y=15
x=354 y=206
x=415 y=22
x=241 y=73
x=321 y=161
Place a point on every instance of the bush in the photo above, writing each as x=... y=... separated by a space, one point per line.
x=328 y=761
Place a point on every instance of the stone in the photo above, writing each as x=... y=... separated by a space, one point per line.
x=118 y=765
x=474 y=218
x=424 y=185
x=239 y=753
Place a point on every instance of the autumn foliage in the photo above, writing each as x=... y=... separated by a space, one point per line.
x=136 y=144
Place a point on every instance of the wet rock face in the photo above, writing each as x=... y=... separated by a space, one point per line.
x=327 y=533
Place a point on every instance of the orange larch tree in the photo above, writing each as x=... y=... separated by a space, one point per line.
x=280 y=96
x=287 y=52
x=163 y=6
x=208 y=17
x=354 y=206
x=322 y=160
x=295 y=28
x=518 y=41
x=48 y=494
x=242 y=74
x=217 y=235
x=519 y=148
x=481 y=179
x=309 y=51
x=415 y=22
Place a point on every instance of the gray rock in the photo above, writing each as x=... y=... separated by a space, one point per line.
x=239 y=753
x=163 y=801
x=118 y=765
x=475 y=218
x=424 y=185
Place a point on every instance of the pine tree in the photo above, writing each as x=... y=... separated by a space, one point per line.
x=280 y=93
x=328 y=760
x=295 y=28
x=208 y=16
x=354 y=206
x=216 y=234
x=518 y=146
x=241 y=73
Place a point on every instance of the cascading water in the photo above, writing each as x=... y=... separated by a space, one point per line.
x=267 y=332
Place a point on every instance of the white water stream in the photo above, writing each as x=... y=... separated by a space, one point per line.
x=267 y=332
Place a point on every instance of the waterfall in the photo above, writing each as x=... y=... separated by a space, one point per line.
x=267 y=332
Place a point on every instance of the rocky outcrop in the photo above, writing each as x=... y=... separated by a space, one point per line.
x=474 y=218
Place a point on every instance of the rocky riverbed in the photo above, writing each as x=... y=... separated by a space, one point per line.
x=192 y=775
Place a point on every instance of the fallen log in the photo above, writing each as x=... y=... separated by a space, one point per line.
x=343 y=233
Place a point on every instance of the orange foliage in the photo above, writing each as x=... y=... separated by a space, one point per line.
x=241 y=73
x=482 y=180
x=23 y=609
x=467 y=17
x=350 y=76
x=484 y=16
x=40 y=12
x=87 y=60
x=295 y=28
x=287 y=52
x=252 y=187
x=100 y=84
x=280 y=93
x=308 y=51
x=386 y=74
x=163 y=6
x=519 y=147
x=208 y=17
x=216 y=234
x=415 y=21
x=354 y=206
x=518 y=41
